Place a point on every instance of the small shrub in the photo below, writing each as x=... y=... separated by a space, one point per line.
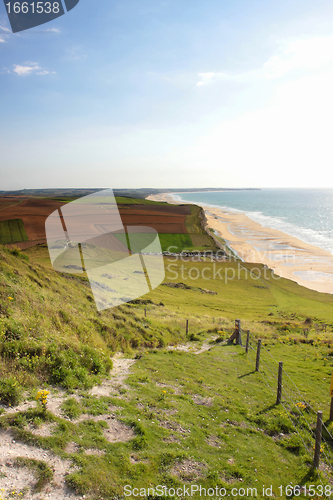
x=41 y=398
x=161 y=342
x=64 y=316
x=10 y=391
x=71 y=408
x=14 y=250
x=292 y=443
x=274 y=423
x=138 y=428
x=135 y=342
x=4 y=310
x=139 y=443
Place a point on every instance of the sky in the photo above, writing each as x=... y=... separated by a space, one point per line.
x=174 y=94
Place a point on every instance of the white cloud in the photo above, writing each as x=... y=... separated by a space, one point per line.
x=4 y=33
x=25 y=70
x=30 y=68
x=76 y=54
x=52 y=30
x=312 y=55
x=45 y=72
x=207 y=78
x=286 y=143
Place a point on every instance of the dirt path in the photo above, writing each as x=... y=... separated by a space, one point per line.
x=120 y=371
x=21 y=480
x=193 y=347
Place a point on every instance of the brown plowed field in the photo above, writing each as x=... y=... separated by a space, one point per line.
x=165 y=219
x=158 y=209
x=34 y=212
x=135 y=218
x=163 y=227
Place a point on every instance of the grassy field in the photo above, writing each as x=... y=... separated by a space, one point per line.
x=208 y=419
x=199 y=237
x=175 y=242
x=12 y=231
x=193 y=221
x=137 y=201
x=202 y=418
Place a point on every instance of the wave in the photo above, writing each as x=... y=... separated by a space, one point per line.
x=322 y=238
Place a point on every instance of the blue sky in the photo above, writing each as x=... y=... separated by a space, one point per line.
x=186 y=93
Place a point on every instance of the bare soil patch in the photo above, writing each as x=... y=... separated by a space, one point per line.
x=120 y=371
x=19 y=478
x=199 y=400
x=188 y=470
x=192 y=347
x=117 y=432
x=214 y=441
x=174 y=426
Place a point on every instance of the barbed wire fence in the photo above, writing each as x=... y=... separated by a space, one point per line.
x=296 y=406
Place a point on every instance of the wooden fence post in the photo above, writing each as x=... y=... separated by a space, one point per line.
x=318 y=439
x=258 y=355
x=331 y=394
x=247 y=341
x=279 y=388
x=145 y=312
x=237 y=334
x=186 y=326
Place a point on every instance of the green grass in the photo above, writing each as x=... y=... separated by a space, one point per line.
x=175 y=242
x=192 y=221
x=12 y=231
x=200 y=239
x=210 y=409
x=137 y=201
x=171 y=242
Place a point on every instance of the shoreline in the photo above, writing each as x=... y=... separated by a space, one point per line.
x=288 y=256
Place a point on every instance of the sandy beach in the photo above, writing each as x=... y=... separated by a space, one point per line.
x=289 y=257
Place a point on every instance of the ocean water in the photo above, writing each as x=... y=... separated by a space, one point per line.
x=306 y=214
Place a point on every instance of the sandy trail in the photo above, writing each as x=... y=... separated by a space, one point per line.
x=22 y=480
x=120 y=371
x=18 y=479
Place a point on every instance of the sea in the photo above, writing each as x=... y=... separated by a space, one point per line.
x=306 y=214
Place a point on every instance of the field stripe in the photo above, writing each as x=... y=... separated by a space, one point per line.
x=12 y=231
